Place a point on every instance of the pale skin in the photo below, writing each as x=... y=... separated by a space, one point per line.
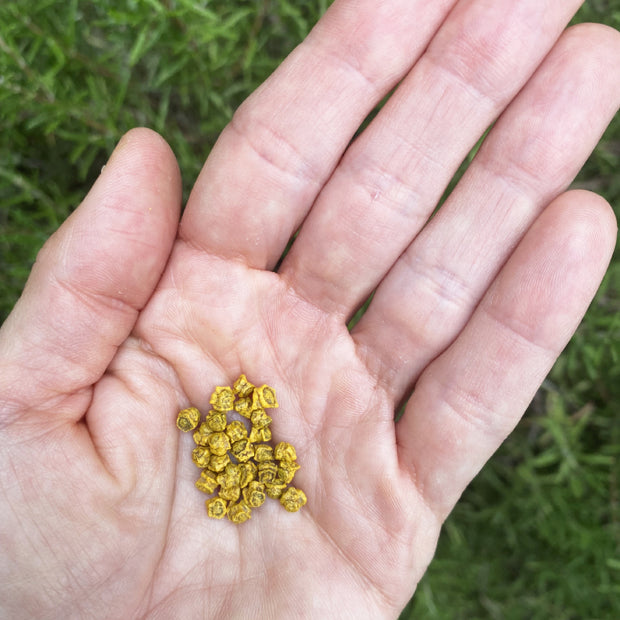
x=129 y=316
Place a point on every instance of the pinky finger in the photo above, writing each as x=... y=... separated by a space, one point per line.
x=471 y=397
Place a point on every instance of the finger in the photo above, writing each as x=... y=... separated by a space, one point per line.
x=532 y=154
x=469 y=399
x=282 y=144
x=391 y=179
x=90 y=280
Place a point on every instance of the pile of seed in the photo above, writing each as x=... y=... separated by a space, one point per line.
x=241 y=467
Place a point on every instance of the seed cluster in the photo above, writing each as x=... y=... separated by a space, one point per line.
x=242 y=467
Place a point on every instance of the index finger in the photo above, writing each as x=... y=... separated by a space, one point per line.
x=284 y=141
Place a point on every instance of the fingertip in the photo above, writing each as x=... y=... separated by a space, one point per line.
x=597 y=36
x=148 y=155
x=593 y=51
x=590 y=223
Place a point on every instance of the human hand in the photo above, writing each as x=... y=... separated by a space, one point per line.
x=100 y=517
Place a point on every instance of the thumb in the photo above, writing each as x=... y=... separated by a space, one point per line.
x=90 y=281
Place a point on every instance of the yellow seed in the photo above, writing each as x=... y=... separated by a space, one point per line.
x=222 y=399
x=286 y=471
x=284 y=451
x=230 y=477
x=201 y=436
x=238 y=513
x=293 y=499
x=263 y=452
x=242 y=387
x=201 y=456
x=236 y=430
x=260 y=419
x=219 y=444
x=231 y=493
x=254 y=494
x=247 y=473
x=243 y=406
x=218 y=463
x=207 y=482
x=260 y=434
x=216 y=421
x=274 y=490
x=265 y=397
x=242 y=450
x=188 y=419
x=267 y=472
x=216 y=507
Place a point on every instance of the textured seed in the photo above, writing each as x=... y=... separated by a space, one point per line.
x=230 y=493
x=219 y=444
x=201 y=436
x=265 y=397
x=260 y=434
x=236 y=430
x=238 y=513
x=274 y=490
x=230 y=477
x=242 y=450
x=188 y=419
x=260 y=419
x=286 y=471
x=216 y=507
x=216 y=421
x=218 y=463
x=201 y=456
x=267 y=472
x=247 y=473
x=243 y=406
x=254 y=494
x=284 y=451
x=222 y=399
x=242 y=387
x=293 y=499
x=263 y=452
x=207 y=482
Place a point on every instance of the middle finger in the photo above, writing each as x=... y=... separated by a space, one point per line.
x=391 y=178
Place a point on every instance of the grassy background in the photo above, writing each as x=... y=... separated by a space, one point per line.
x=537 y=534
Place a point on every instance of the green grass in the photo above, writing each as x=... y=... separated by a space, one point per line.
x=537 y=534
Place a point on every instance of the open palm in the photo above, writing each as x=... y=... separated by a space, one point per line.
x=129 y=317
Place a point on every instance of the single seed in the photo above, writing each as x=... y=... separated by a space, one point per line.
x=263 y=452
x=236 y=430
x=254 y=494
x=216 y=507
x=260 y=419
x=284 y=451
x=238 y=513
x=286 y=471
x=188 y=419
x=265 y=396
x=219 y=443
x=242 y=387
x=222 y=399
x=201 y=456
x=293 y=499
x=216 y=421
x=207 y=482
